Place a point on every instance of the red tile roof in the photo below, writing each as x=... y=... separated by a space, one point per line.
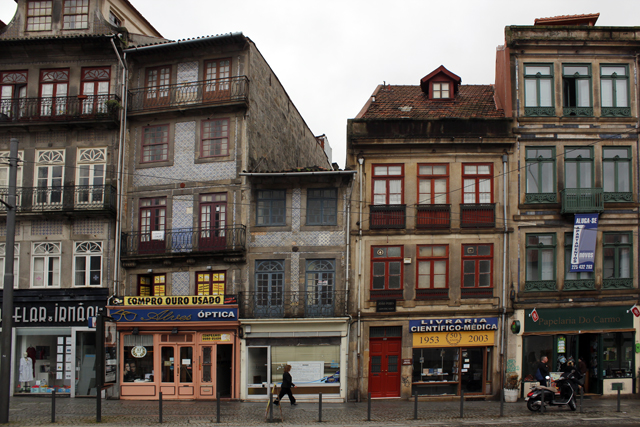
x=568 y=19
x=393 y=102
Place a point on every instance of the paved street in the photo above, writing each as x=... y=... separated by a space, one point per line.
x=31 y=411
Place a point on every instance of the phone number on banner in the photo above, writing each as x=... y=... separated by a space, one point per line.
x=454 y=339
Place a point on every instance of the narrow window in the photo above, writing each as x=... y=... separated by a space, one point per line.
x=155 y=143
x=215 y=138
x=541 y=175
x=271 y=207
x=538 y=90
x=576 y=90
x=322 y=206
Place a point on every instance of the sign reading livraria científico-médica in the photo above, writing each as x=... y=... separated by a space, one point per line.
x=461 y=331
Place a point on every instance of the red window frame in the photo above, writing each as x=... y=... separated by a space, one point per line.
x=386 y=179
x=431 y=258
x=92 y=78
x=423 y=199
x=221 y=74
x=214 y=281
x=215 y=135
x=476 y=259
x=157 y=81
x=477 y=178
x=149 y=142
x=384 y=258
x=156 y=287
x=54 y=77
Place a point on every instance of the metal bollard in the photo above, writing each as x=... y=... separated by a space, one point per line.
x=218 y=407
x=369 y=408
x=502 y=402
x=618 y=401
x=415 y=407
x=271 y=404
x=98 y=405
x=320 y=408
x=461 y=403
x=53 y=406
x=160 y=407
x=542 y=405
x=581 y=396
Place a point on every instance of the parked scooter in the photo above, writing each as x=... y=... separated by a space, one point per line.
x=564 y=393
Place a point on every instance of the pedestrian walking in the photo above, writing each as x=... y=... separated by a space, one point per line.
x=285 y=388
x=543 y=371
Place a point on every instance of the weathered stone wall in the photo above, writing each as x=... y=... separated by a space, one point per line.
x=278 y=137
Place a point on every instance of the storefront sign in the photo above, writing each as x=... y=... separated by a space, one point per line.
x=407 y=362
x=579 y=319
x=175 y=314
x=55 y=308
x=216 y=337
x=585 y=232
x=453 y=339
x=456 y=324
x=139 y=351
x=181 y=301
x=386 y=306
x=562 y=344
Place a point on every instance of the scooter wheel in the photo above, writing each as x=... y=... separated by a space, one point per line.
x=572 y=404
x=534 y=405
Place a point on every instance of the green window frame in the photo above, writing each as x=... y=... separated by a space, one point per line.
x=576 y=90
x=578 y=167
x=540 y=262
x=616 y=174
x=540 y=175
x=538 y=90
x=614 y=90
x=617 y=260
x=271 y=207
x=574 y=280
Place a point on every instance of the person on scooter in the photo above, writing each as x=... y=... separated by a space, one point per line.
x=543 y=371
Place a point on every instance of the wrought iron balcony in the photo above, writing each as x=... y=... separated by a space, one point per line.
x=433 y=216
x=78 y=198
x=184 y=241
x=216 y=91
x=476 y=292
x=323 y=302
x=478 y=215
x=387 y=216
x=582 y=200
x=60 y=109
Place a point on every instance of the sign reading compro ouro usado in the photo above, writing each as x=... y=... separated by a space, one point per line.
x=179 y=300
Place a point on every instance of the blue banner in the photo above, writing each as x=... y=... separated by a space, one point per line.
x=455 y=324
x=130 y=314
x=583 y=251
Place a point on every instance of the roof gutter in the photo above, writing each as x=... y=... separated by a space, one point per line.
x=183 y=42
x=298 y=173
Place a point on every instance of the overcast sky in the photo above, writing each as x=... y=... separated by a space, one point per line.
x=330 y=55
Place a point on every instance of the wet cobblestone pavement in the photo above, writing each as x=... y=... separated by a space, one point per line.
x=33 y=411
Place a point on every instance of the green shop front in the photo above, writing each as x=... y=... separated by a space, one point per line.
x=601 y=340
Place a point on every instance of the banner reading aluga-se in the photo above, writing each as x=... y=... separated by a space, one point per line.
x=585 y=232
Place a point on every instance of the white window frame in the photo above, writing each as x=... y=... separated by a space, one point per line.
x=16 y=264
x=47 y=251
x=4 y=176
x=49 y=159
x=87 y=250
x=86 y=191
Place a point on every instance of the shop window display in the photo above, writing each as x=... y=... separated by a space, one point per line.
x=618 y=354
x=138 y=358
x=435 y=370
x=44 y=363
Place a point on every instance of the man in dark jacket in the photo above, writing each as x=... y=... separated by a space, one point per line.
x=285 y=388
x=543 y=369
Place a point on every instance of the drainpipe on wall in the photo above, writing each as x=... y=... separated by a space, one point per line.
x=360 y=175
x=504 y=269
x=119 y=185
x=346 y=279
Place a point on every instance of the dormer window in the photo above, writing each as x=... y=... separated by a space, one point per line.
x=441 y=91
x=114 y=20
x=39 y=15
x=76 y=14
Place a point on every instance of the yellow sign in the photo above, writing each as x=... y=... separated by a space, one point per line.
x=454 y=339
x=216 y=337
x=181 y=301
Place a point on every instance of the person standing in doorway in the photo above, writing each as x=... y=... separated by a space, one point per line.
x=543 y=371
x=285 y=388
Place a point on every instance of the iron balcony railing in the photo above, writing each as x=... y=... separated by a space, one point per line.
x=323 y=302
x=100 y=198
x=477 y=215
x=433 y=216
x=184 y=240
x=60 y=108
x=582 y=200
x=216 y=91
x=387 y=216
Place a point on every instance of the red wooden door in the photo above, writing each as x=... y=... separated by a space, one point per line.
x=213 y=220
x=152 y=226
x=384 y=367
